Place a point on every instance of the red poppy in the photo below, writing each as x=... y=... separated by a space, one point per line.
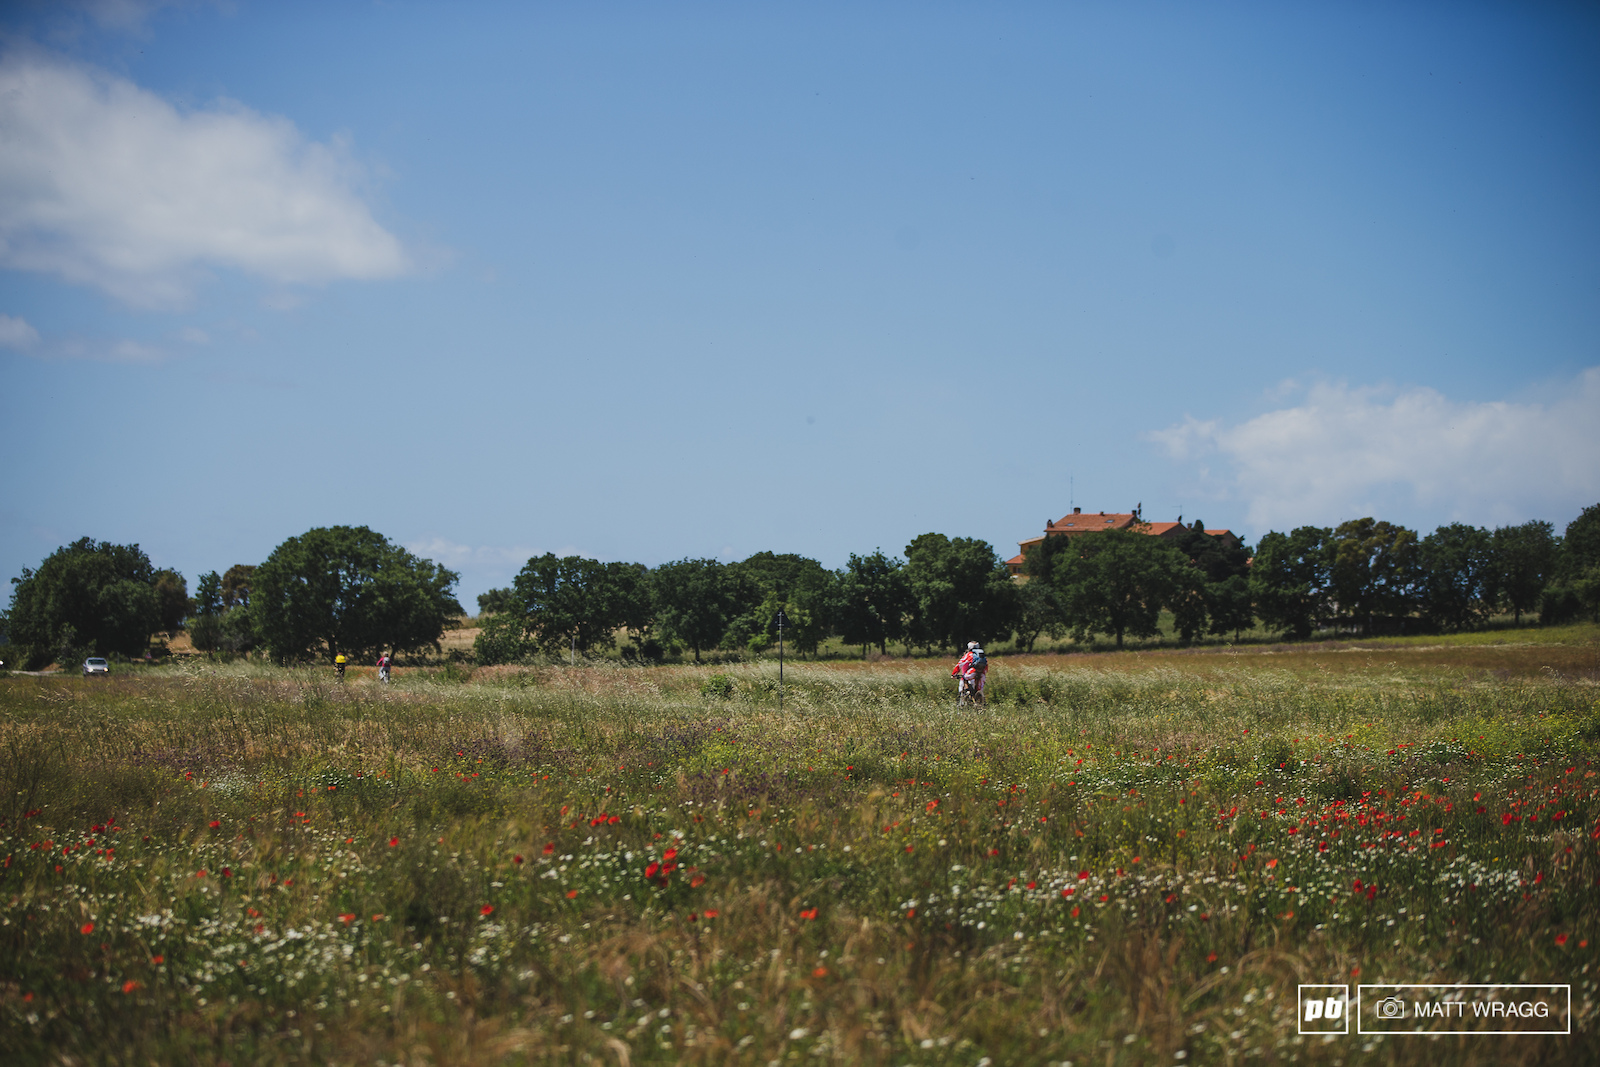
x=86 y=928
x=809 y=913
x=487 y=909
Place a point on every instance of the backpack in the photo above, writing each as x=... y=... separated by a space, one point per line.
x=980 y=662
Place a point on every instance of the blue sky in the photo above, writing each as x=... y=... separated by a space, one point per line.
x=644 y=281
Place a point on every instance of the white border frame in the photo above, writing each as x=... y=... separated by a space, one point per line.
x=1467 y=985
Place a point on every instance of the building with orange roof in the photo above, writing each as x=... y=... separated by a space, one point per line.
x=1078 y=523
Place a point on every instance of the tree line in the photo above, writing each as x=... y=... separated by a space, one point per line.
x=1364 y=576
x=349 y=590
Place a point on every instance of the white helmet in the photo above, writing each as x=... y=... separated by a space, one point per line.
x=972 y=644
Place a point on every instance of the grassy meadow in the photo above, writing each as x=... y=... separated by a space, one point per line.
x=1123 y=859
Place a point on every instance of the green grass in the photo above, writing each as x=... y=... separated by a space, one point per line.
x=1113 y=863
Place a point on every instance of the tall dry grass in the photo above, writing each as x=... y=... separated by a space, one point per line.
x=868 y=875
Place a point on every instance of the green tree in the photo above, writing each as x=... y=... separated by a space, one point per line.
x=1522 y=562
x=695 y=600
x=1230 y=605
x=346 y=589
x=1037 y=613
x=172 y=600
x=960 y=591
x=575 y=603
x=1112 y=581
x=813 y=606
x=237 y=581
x=1189 y=600
x=1224 y=594
x=88 y=594
x=874 y=600
x=1291 y=580
x=1580 y=545
x=238 y=630
x=1375 y=571
x=1576 y=590
x=770 y=582
x=208 y=594
x=502 y=638
x=496 y=600
x=1457 y=575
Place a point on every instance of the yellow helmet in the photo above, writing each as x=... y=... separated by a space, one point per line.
x=338 y=659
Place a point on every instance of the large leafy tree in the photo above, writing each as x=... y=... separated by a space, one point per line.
x=496 y=601
x=237 y=581
x=1522 y=562
x=1375 y=571
x=1112 y=581
x=874 y=600
x=1222 y=594
x=960 y=591
x=172 y=600
x=799 y=587
x=577 y=603
x=1457 y=575
x=1037 y=613
x=208 y=594
x=1576 y=589
x=1291 y=580
x=346 y=589
x=695 y=600
x=86 y=595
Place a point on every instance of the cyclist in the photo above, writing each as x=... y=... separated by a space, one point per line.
x=338 y=665
x=970 y=672
x=383 y=667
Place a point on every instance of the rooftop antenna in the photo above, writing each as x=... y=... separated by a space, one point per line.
x=1070 y=499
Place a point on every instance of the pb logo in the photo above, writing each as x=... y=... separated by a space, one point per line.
x=1324 y=1009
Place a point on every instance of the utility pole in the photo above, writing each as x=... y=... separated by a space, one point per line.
x=781 y=619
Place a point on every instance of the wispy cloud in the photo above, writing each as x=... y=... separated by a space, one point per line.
x=17 y=333
x=1344 y=452
x=106 y=184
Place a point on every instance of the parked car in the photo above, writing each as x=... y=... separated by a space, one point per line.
x=95 y=665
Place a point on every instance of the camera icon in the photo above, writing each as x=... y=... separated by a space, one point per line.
x=1390 y=1008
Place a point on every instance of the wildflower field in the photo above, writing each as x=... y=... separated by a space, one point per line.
x=1127 y=859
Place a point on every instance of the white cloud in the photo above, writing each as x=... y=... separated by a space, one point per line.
x=1412 y=455
x=17 y=333
x=106 y=184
